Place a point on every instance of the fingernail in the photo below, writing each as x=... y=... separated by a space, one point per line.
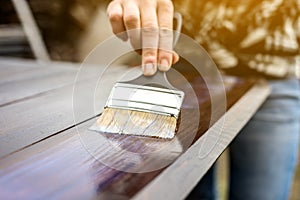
x=148 y=69
x=164 y=65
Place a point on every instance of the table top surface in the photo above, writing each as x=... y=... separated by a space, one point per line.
x=47 y=151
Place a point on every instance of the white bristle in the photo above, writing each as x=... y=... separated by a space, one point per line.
x=139 y=123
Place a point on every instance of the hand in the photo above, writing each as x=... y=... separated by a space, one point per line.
x=149 y=26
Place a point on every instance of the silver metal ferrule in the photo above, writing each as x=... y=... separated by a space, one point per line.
x=146 y=99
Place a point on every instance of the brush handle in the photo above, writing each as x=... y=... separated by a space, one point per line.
x=159 y=79
x=177 y=31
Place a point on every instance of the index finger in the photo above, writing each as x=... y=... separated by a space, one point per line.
x=165 y=19
x=149 y=36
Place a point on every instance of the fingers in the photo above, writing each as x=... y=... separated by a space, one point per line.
x=149 y=37
x=175 y=57
x=115 y=15
x=149 y=25
x=165 y=21
x=131 y=18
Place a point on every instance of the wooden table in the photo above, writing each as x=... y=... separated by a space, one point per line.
x=43 y=153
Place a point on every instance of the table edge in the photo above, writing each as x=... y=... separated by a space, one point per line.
x=169 y=184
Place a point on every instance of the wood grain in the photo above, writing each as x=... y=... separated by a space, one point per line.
x=51 y=111
x=21 y=79
x=206 y=150
x=74 y=164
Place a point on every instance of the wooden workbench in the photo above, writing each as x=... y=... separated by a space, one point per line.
x=46 y=151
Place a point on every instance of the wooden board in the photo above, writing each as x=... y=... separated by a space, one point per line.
x=47 y=105
x=63 y=166
x=16 y=69
x=21 y=79
x=201 y=155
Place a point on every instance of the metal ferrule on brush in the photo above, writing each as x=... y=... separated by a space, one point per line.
x=146 y=99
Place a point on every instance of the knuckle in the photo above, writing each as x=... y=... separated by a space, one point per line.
x=165 y=28
x=115 y=17
x=131 y=20
x=150 y=24
x=149 y=53
x=165 y=54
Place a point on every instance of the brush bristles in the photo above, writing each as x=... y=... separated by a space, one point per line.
x=130 y=122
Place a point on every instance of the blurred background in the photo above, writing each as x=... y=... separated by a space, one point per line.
x=69 y=30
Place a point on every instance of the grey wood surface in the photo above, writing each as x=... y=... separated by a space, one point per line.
x=37 y=103
x=15 y=85
x=15 y=69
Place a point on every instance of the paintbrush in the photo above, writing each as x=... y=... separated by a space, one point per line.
x=145 y=106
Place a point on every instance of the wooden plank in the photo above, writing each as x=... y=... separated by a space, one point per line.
x=12 y=68
x=34 y=82
x=26 y=122
x=21 y=79
x=80 y=175
x=18 y=69
x=196 y=161
x=64 y=166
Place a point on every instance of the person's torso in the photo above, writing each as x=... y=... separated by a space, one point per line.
x=246 y=36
